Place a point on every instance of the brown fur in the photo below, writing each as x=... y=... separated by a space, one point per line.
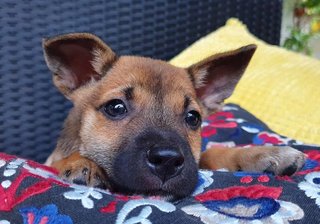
x=157 y=94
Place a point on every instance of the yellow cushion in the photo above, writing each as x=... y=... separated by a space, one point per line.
x=280 y=87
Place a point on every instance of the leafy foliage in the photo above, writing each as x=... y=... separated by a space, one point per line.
x=299 y=40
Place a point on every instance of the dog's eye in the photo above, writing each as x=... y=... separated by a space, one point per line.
x=115 y=109
x=193 y=119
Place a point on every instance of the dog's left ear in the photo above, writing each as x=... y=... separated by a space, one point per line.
x=216 y=77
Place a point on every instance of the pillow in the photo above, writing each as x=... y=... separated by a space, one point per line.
x=280 y=87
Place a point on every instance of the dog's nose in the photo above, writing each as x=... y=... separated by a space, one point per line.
x=164 y=162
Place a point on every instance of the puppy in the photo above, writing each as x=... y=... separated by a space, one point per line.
x=135 y=125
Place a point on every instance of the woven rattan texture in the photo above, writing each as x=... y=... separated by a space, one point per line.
x=32 y=111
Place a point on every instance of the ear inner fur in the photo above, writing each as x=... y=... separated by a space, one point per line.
x=76 y=59
x=215 y=78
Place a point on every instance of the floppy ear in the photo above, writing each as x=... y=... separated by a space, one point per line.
x=215 y=78
x=76 y=59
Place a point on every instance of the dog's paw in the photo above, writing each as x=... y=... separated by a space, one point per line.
x=80 y=170
x=283 y=161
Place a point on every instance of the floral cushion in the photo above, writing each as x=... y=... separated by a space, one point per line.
x=31 y=193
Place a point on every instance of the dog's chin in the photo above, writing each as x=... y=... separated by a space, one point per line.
x=173 y=189
x=130 y=173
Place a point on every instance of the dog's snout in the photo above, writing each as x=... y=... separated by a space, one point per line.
x=165 y=162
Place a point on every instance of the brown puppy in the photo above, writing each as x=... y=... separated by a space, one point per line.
x=135 y=124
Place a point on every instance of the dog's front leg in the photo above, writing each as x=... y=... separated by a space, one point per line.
x=271 y=159
x=80 y=170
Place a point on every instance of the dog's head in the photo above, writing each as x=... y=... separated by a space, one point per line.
x=139 y=118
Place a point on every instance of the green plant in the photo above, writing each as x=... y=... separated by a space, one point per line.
x=299 y=40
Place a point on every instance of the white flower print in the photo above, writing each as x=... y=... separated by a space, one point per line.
x=4 y=222
x=10 y=170
x=205 y=180
x=84 y=194
x=311 y=186
x=142 y=217
x=2 y=163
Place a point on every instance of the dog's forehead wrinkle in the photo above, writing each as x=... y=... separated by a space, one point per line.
x=187 y=101
x=128 y=92
x=153 y=75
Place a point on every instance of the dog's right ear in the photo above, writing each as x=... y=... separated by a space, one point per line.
x=215 y=78
x=76 y=59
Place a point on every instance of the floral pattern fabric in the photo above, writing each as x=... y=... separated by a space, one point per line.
x=31 y=193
